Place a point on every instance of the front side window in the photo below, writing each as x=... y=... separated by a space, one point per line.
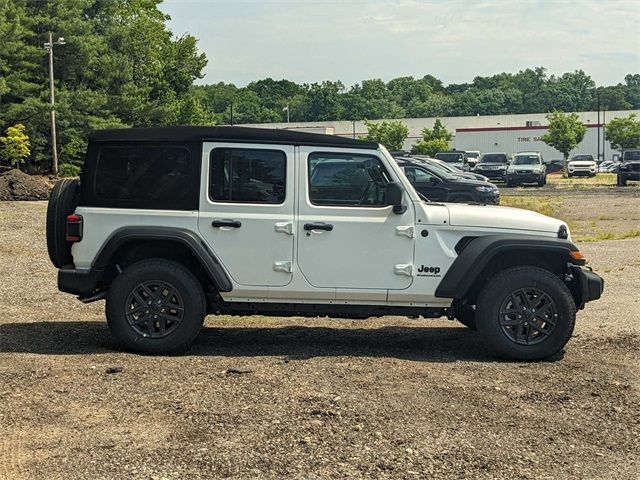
x=338 y=179
x=143 y=173
x=450 y=157
x=246 y=175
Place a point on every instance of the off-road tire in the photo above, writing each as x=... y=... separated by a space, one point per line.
x=161 y=270
x=621 y=180
x=499 y=289
x=63 y=200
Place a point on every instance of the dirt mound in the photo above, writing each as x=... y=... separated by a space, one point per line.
x=17 y=185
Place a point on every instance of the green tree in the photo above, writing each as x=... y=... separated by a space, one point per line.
x=623 y=133
x=565 y=133
x=14 y=146
x=434 y=140
x=390 y=134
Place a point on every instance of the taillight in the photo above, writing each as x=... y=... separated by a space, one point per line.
x=74 y=228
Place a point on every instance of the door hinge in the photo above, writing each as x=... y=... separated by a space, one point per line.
x=407 y=231
x=284 y=227
x=284 y=266
x=403 y=269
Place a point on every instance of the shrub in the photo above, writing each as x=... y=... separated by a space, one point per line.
x=68 y=170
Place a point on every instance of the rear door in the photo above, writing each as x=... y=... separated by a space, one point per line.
x=247 y=208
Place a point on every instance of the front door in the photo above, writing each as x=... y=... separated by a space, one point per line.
x=348 y=238
x=246 y=210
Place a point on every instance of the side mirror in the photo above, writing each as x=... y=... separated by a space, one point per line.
x=434 y=180
x=393 y=196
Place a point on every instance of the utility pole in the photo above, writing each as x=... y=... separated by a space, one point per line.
x=598 y=156
x=54 y=143
x=286 y=109
x=231 y=114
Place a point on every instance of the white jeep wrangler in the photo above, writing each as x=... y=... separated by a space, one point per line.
x=170 y=224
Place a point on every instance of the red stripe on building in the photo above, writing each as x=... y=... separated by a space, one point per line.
x=533 y=127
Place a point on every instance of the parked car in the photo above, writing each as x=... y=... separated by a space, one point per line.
x=449 y=168
x=170 y=224
x=472 y=158
x=526 y=167
x=454 y=158
x=440 y=186
x=554 y=166
x=629 y=167
x=582 y=164
x=608 y=166
x=493 y=165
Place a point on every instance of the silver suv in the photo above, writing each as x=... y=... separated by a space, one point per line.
x=526 y=167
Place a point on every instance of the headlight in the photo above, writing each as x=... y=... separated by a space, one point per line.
x=486 y=189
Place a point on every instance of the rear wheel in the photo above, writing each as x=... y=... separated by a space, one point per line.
x=63 y=200
x=525 y=313
x=156 y=306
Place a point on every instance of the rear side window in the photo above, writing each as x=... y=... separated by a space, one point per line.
x=145 y=174
x=347 y=180
x=245 y=175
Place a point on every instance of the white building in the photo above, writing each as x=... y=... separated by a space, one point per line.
x=490 y=133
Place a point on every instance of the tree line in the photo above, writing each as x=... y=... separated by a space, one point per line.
x=121 y=66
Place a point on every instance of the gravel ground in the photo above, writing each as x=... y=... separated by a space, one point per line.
x=381 y=398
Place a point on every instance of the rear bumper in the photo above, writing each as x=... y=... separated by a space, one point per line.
x=589 y=285
x=79 y=282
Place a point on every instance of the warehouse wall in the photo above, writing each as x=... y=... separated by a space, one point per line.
x=357 y=129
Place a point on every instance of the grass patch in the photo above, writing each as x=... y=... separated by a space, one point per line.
x=602 y=179
x=601 y=236
x=544 y=205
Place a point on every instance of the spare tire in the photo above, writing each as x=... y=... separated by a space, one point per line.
x=62 y=202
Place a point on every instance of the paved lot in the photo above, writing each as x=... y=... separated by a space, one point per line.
x=381 y=398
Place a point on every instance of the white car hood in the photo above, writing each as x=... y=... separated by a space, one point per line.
x=501 y=218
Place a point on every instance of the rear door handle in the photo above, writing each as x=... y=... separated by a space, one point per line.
x=226 y=223
x=318 y=226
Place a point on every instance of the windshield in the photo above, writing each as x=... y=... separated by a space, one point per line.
x=583 y=157
x=526 y=160
x=632 y=155
x=494 y=158
x=450 y=157
x=473 y=154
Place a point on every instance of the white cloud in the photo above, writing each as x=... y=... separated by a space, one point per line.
x=453 y=40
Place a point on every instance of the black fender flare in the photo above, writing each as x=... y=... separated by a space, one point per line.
x=188 y=238
x=479 y=252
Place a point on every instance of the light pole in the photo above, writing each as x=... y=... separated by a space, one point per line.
x=54 y=145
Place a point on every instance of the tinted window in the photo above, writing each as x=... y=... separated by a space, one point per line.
x=347 y=180
x=632 y=155
x=144 y=173
x=450 y=157
x=243 y=175
x=583 y=157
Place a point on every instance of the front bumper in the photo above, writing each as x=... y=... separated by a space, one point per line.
x=582 y=171
x=524 y=177
x=630 y=174
x=588 y=285
x=492 y=174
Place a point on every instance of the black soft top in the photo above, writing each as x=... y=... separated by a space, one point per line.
x=225 y=134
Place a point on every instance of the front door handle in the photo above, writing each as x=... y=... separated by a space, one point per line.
x=226 y=223
x=318 y=226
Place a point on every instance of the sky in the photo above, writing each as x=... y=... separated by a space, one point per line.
x=352 y=40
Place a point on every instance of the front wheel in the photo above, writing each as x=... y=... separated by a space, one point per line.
x=156 y=306
x=622 y=180
x=525 y=313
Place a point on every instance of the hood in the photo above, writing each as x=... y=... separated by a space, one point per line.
x=471 y=182
x=501 y=218
x=491 y=164
x=519 y=168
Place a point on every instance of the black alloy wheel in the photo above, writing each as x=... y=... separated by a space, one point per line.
x=154 y=309
x=528 y=316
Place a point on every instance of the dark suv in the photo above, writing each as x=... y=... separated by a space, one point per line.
x=440 y=186
x=493 y=166
x=629 y=168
